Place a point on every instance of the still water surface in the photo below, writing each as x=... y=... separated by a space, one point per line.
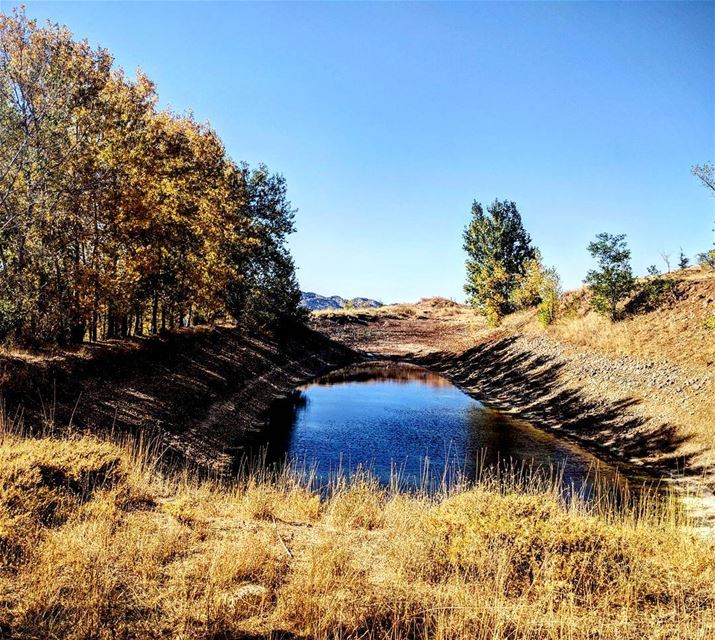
x=400 y=419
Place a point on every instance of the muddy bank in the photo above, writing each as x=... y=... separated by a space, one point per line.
x=197 y=394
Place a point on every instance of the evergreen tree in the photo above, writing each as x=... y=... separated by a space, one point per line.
x=683 y=260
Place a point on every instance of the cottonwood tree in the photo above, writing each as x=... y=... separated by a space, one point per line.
x=613 y=280
x=265 y=290
x=119 y=218
x=498 y=250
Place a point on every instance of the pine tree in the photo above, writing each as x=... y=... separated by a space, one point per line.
x=683 y=260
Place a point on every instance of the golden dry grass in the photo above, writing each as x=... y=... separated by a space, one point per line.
x=676 y=332
x=95 y=543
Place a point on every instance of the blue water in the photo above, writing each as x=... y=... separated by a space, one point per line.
x=407 y=421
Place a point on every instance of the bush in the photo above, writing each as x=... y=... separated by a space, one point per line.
x=528 y=289
x=707 y=260
x=549 y=306
x=539 y=287
x=652 y=294
x=710 y=323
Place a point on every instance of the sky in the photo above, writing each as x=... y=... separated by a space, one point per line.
x=388 y=119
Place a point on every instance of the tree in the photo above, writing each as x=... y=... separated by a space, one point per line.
x=613 y=280
x=550 y=297
x=707 y=259
x=116 y=217
x=539 y=287
x=267 y=290
x=666 y=259
x=498 y=250
x=706 y=174
x=683 y=260
x=527 y=291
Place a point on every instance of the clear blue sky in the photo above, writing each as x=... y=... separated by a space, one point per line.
x=389 y=119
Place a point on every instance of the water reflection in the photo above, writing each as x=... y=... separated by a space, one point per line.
x=396 y=418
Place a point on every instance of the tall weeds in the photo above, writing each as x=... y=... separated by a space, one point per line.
x=95 y=542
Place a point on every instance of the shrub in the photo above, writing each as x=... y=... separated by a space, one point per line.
x=653 y=293
x=528 y=290
x=707 y=259
x=549 y=306
x=710 y=323
x=539 y=286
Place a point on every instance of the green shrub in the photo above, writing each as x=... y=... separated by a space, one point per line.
x=710 y=323
x=550 y=295
x=652 y=293
x=707 y=259
x=8 y=319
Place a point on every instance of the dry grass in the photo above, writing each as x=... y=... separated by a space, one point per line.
x=95 y=543
x=676 y=332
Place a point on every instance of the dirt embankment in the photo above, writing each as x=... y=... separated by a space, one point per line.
x=605 y=386
x=197 y=394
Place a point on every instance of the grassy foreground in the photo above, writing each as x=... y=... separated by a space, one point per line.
x=95 y=543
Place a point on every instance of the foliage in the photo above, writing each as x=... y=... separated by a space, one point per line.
x=527 y=291
x=706 y=174
x=538 y=287
x=498 y=251
x=652 y=293
x=116 y=217
x=8 y=318
x=683 y=261
x=710 y=323
x=707 y=259
x=613 y=280
x=550 y=296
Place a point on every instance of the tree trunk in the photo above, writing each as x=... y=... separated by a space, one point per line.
x=155 y=312
x=138 y=321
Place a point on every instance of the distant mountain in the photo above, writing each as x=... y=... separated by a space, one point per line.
x=315 y=302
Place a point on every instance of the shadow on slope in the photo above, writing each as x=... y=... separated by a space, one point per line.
x=533 y=387
x=193 y=394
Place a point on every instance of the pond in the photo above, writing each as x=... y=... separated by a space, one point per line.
x=405 y=423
